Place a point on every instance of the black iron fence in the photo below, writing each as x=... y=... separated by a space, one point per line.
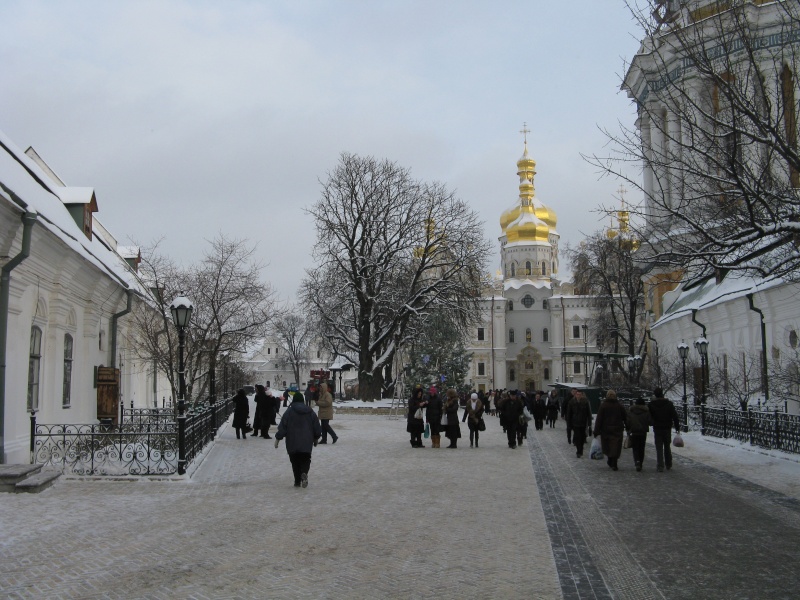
x=153 y=416
x=144 y=444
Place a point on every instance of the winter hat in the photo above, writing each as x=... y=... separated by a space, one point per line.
x=473 y=396
x=298 y=397
x=433 y=391
x=611 y=395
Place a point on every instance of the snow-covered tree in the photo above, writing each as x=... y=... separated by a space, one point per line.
x=232 y=306
x=389 y=250
x=294 y=333
x=437 y=354
x=716 y=90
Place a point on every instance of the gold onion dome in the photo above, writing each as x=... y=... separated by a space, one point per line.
x=529 y=219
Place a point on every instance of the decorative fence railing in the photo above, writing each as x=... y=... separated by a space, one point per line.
x=134 y=447
x=149 y=415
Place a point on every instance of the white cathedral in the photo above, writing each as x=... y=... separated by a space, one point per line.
x=531 y=321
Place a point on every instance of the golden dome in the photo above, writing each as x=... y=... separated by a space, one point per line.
x=529 y=219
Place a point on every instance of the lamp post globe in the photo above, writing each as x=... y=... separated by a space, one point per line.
x=630 y=361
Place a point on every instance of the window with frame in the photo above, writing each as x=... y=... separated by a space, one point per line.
x=527 y=301
x=510 y=336
x=790 y=119
x=481 y=334
x=276 y=351
x=269 y=350
x=513 y=270
x=528 y=334
x=34 y=360
x=545 y=335
x=546 y=374
x=544 y=268
x=576 y=332
x=481 y=368
x=512 y=374
x=510 y=305
x=576 y=367
x=528 y=268
x=66 y=396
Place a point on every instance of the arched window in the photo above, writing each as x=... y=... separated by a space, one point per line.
x=34 y=360
x=66 y=397
x=547 y=373
x=267 y=383
x=512 y=375
x=510 y=305
x=284 y=384
x=269 y=350
x=528 y=268
x=510 y=336
x=545 y=304
x=528 y=334
x=513 y=270
x=544 y=268
x=545 y=335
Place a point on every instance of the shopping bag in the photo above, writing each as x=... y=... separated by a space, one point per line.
x=444 y=420
x=596 y=451
x=418 y=414
x=527 y=414
x=427 y=430
x=248 y=428
x=677 y=441
x=481 y=425
x=627 y=443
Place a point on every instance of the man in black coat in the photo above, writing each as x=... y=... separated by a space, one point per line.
x=665 y=417
x=579 y=420
x=511 y=412
x=301 y=428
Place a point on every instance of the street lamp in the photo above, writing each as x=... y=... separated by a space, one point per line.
x=683 y=351
x=631 y=361
x=701 y=344
x=181 y=309
x=637 y=365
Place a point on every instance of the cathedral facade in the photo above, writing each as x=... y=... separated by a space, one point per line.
x=529 y=317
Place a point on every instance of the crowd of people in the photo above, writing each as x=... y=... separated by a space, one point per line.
x=614 y=426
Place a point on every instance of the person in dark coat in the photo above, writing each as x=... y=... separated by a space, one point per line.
x=639 y=421
x=269 y=415
x=552 y=410
x=511 y=410
x=241 y=411
x=416 y=426
x=261 y=404
x=539 y=411
x=665 y=417
x=433 y=414
x=610 y=424
x=453 y=429
x=300 y=426
x=573 y=395
x=579 y=419
x=473 y=413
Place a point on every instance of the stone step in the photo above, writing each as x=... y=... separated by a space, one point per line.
x=10 y=475
x=38 y=482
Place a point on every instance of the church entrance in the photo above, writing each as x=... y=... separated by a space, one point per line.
x=530 y=386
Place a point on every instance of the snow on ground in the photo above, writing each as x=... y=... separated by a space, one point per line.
x=775 y=470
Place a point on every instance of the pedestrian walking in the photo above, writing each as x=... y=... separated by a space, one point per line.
x=300 y=426
x=269 y=415
x=610 y=424
x=511 y=411
x=665 y=417
x=325 y=404
x=453 y=429
x=473 y=415
x=579 y=419
x=415 y=424
x=433 y=414
x=260 y=399
x=241 y=412
x=639 y=421
x=539 y=410
x=573 y=395
x=552 y=410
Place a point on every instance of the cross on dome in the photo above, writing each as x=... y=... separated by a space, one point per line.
x=525 y=131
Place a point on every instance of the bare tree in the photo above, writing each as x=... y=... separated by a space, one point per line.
x=294 y=334
x=736 y=380
x=390 y=250
x=232 y=305
x=716 y=91
x=605 y=268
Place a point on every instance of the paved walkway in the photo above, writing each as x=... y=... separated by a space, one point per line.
x=382 y=520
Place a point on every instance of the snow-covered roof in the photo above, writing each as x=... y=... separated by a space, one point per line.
x=709 y=293
x=128 y=251
x=341 y=363
x=515 y=284
x=75 y=195
x=28 y=187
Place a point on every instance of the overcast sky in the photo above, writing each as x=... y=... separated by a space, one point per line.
x=191 y=118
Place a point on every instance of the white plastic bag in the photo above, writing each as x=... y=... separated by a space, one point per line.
x=596 y=451
x=444 y=420
x=677 y=441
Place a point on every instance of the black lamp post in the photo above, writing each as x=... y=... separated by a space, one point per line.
x=630 y=360
x=701 y=344
x=585 y=352
x=683 y=351
x=181 y=309
x=637 y=366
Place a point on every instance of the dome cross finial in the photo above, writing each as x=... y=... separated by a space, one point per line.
x=525 y=131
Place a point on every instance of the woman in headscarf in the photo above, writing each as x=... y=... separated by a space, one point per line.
x=416 y=424
x=473 y=413
x=453 y=430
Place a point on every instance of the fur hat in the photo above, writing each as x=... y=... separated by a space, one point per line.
x=473 y=396
x=611 y=395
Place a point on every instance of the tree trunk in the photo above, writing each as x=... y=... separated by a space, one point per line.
x=370 y=386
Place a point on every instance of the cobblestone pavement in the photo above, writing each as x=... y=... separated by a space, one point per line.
x=382 y=520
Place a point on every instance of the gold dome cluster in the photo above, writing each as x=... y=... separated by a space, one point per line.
x=529 y=220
